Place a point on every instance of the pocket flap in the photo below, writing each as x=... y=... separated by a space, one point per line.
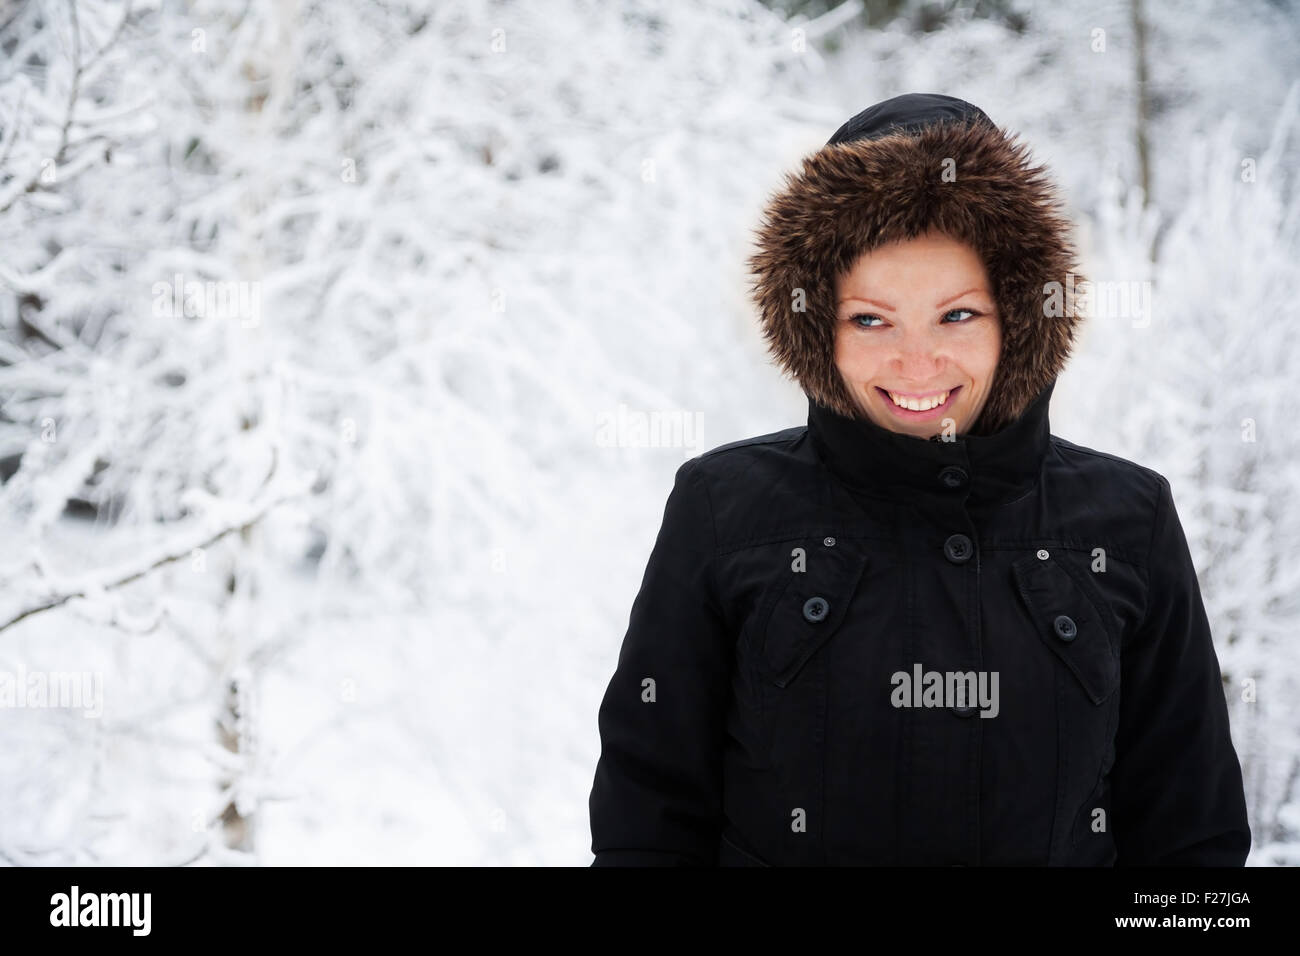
x=1070 y=623
x=810 y=607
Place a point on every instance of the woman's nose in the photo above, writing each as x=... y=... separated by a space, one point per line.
x=918 y=357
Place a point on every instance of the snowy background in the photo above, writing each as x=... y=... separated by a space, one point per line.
x=351 y=534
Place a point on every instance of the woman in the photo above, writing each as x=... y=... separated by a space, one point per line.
x=921 y=629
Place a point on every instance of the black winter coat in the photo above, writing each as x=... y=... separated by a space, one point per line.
x=797 y=573
x=858 y=646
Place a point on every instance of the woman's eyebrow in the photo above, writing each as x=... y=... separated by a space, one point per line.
x=890 y=308
x=958 y=296
x=858 y=298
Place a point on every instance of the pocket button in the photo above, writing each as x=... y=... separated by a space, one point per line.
x=815 y=609
x=1065 y=627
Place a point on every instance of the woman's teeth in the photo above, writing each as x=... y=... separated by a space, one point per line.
x=919 y=404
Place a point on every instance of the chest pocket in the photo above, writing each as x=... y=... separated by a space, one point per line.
x=1071 y=621
x=808 y=606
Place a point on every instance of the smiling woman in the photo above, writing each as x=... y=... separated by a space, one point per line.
x=914 y=364
x=924 y=522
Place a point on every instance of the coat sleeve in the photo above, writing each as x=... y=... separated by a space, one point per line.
x=657 y=795
x=1176 y=785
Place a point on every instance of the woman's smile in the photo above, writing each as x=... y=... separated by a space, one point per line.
x=918 y=408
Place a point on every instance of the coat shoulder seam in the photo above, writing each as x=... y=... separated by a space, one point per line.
x=785 y=435
x=711 y=569
x=1163 y=491
x=1068 y=445
x=694 y=473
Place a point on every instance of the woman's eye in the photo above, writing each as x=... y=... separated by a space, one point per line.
x=866 y=321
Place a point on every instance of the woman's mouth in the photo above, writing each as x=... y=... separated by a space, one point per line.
x=916 y=407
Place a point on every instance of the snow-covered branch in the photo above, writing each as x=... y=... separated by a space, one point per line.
x=182 y=544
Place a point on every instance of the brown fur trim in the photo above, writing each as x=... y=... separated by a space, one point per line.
x=852 y=197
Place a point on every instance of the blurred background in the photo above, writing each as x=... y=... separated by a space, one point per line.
x=348 y=350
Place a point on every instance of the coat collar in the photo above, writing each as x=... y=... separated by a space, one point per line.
x=991 y=468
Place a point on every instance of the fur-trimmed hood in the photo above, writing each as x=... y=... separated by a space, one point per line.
x=913 y=163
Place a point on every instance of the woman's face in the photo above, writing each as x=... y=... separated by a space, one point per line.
x=916 y=323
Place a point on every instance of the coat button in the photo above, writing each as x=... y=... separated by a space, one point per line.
x=957 y=549
x=963 y=711
x=814 y=609
x=953 y=477
x=1065 y=627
